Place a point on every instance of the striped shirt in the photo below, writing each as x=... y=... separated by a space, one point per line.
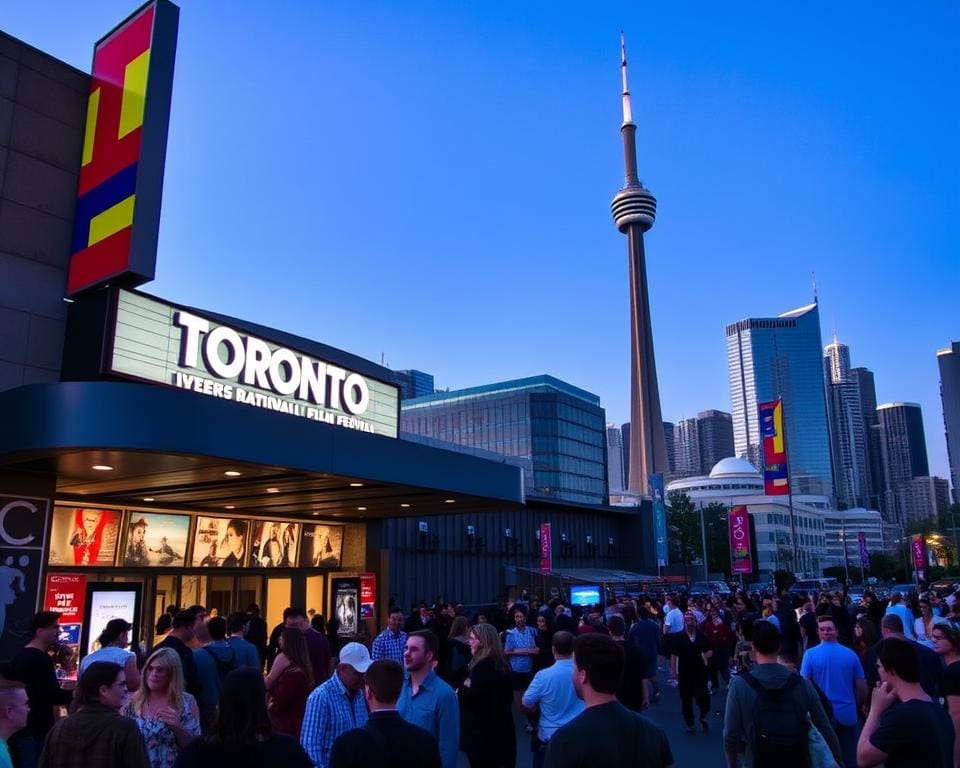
x=330 y=712
x=390 y=646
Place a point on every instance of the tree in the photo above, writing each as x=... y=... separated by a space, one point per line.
x=887 y=567
x=683 y=530
x=718 y=537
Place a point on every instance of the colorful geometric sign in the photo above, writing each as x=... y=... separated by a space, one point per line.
x=741 y=559
x=776 y=478
x=117 y=215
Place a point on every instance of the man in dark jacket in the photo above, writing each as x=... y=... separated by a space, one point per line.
x=386 y=739
x=184 y=630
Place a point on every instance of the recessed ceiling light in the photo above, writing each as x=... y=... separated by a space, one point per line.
x=361 y=509
x=232 y=473
x=273 y=490
x=148 y=498
x=316 y=514
x=102 y=467
x=229 y=506
x=404 y=505
x=356 y=485
x=449 y=501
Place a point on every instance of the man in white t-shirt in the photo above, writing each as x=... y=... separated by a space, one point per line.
x=672 y=627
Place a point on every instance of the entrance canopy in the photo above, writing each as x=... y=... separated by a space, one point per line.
x=163 y=447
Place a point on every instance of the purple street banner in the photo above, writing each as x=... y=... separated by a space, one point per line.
x=776 y=480
x=546 y=549
x=864 y=554
x=918 y=549
x=741 y=559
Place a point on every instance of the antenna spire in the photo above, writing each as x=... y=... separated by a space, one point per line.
x=813 y=276
x=627 y=111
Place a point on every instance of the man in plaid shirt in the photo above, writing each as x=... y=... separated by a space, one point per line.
x=389 y=644
x=336 y=706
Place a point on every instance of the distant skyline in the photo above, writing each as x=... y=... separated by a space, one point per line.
x=432 y=182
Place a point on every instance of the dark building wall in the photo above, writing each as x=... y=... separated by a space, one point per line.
x=43 y=105
x=445 y=562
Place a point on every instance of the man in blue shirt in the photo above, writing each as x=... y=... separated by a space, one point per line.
x=897 y=608
x=838 y=672
x=390 y=643
x=336 y=706
x=426 y=700
x=237 y=625
x=552 y=692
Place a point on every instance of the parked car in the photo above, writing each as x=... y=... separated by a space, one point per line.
x=945 y=586
x=903 y=589
x=709 y=588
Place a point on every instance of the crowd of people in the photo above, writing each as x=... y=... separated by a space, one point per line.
x=807 y=680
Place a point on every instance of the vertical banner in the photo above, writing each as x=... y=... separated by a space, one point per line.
x=117 y=216
x=368 y=595
x=918 y=549
x=659 y=517
x=864 y=554
x=66 y=593
x=546 y=549
x=776 y=480
x=24 y=525
x=346 y=605
x=741 y=558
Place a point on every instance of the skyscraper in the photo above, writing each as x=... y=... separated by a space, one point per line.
x=634 y=210
x=949 y=362
x=686 y=440
x=669 y=439
x=863 y=378
x=782 y=357
x=848 y=439
x=413 y=383
x=614 y=459
x=716 y=438
x=903 y=449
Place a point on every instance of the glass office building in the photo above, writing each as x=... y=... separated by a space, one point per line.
x=559 y=427
x=782 y=357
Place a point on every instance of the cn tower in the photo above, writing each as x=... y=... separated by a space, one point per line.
x=634 y=210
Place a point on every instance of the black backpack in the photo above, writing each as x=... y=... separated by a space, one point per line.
x=780 y=727
x=224 y=665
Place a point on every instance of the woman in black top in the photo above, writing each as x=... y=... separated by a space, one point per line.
x=486 y=704
x=946 y=642
x=693 y=653
x=243 y=737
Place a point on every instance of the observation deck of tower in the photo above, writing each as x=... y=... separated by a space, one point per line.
x=634 y=210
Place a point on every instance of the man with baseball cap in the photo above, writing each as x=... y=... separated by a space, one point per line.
x=336 y=706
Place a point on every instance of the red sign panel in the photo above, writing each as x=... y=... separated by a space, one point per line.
x=741 y=558
x=546 y=549
x=117 y=215
x=66 y=594
x=368 y=595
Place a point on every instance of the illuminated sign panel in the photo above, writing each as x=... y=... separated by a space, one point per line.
x=117 y=214
x=157 y=342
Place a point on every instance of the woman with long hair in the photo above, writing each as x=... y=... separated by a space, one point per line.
x=96 y=734
x=243 y=736
x=486 y=704
x=289 y=683
x=864 y=637
x=544 y=641
x=458 y=652
x=923 y=626
x=166 y=715
x=946 y=642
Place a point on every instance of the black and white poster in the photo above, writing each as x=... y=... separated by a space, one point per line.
x=346 y=605
x=24 y=522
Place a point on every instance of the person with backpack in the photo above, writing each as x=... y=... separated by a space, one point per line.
x=215 y=659
x=771 y=709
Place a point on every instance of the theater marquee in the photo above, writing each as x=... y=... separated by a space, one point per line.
x=157 y=342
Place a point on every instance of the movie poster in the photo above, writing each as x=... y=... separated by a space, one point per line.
x=274 y=544
x=84 y=536
x=220 y=542
x=155 y=540
x=66 y=594
x=106 y=602
x=346 y=605
x=321 y=546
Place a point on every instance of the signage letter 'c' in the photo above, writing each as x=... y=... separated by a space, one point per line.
x=3 y=517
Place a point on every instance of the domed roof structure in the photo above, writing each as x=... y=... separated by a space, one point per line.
x=734 y=467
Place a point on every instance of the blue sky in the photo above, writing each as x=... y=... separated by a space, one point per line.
x=431 y=182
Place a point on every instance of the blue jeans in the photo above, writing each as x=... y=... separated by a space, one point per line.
x=847 y=735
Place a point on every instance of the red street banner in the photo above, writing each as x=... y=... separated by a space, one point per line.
x=368 y=595
x=776 y=480
x=741 y=560
x=546 y=549
x=919 y=549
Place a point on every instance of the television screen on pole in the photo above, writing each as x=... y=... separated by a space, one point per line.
x=585 y=595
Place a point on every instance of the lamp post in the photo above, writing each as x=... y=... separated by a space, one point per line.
x=846 y=562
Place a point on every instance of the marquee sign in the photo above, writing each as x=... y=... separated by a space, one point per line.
x=158 y=342
x=117 y=215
